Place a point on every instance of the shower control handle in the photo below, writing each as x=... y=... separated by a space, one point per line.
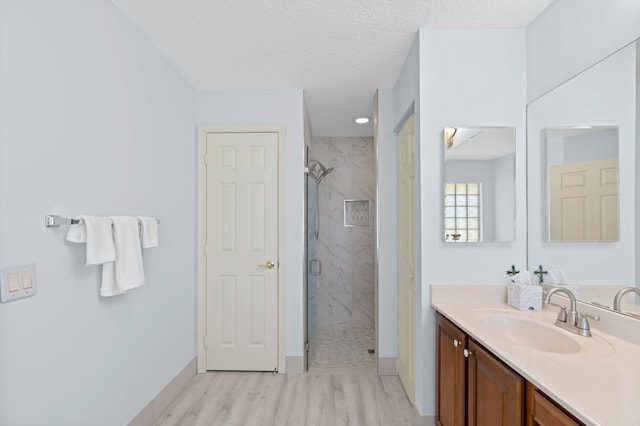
x=315 y=267
x=268 y=265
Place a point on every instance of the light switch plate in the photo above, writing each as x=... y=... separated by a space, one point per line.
x=17 y=282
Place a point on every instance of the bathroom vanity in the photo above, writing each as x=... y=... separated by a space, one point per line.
x=473 y=384
x=500 y=366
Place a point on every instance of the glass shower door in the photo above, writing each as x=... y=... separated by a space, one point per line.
x=310 y=251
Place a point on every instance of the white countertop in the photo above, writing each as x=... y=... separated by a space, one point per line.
x=600 y=384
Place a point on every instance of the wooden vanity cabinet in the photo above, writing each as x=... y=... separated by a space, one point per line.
x=495 y=393
x=472 y=386
x=451 y=377
x=543 y=411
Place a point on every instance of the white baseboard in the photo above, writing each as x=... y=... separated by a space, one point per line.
x=387 y=366
x=423 y=420
x=149 y=414
x=294 y=365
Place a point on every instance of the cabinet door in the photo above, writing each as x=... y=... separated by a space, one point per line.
x=495 y=393
x=541 y=411
x=450 y=373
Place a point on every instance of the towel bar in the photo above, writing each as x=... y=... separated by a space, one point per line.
x=54 y=221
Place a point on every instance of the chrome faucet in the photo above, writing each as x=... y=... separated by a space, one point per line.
x=572 y=316
x=571 y=321
x=618 y=296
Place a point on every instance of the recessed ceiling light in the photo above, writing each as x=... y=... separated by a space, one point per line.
x=362 y=120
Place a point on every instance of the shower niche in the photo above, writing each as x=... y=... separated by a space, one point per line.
x=356 y=212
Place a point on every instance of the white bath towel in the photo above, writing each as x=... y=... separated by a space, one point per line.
x=97 y=233
x=109 y=286
x=127 y=271
x=148 y=231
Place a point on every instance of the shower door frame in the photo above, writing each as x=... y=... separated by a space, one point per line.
x=306 y=349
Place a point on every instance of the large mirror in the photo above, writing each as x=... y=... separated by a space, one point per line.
x=591 y=118
x=581 y=183
x=479 y=189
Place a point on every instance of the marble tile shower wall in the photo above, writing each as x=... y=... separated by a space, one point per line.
x=344 y=292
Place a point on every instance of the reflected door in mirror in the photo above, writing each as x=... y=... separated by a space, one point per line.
x=582 y=176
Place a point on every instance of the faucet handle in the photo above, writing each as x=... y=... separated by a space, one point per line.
x=583 y=324
x=562 y=313
x=594 y=317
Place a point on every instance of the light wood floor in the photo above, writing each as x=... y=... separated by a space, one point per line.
x=241 y=398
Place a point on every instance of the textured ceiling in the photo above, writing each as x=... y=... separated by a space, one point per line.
x=338 y=51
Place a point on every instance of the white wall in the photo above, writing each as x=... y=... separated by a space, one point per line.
x=488 y=83
x=92 y=120
x=394 y=107
x=276 y=107
x=387 y=227
x=571 y=35
x=591 y=146
x=637 y=182
x=489 y=65
x=604 y=95
x=504 y=213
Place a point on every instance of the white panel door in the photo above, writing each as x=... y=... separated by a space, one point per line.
x=584 y=201
x=406 y=258
x=241 y=251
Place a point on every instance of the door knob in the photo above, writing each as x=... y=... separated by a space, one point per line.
x=268 y=265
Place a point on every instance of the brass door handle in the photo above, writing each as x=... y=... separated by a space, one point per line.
x=268 y=265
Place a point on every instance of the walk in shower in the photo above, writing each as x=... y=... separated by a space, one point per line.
x=340 y=248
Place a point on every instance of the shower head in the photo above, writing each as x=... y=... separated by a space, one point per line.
x=324 y=173
x=318 y=171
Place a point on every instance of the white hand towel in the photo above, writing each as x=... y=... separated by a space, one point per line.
x=148 y=231
x=127 y=271
x=97 y=233
x=556 y=277
x=109 y=286
x=522 y=277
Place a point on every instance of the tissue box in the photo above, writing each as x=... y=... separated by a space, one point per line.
x=524 y=297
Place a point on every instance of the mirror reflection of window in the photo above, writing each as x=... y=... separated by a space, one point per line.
x=462 y=212
x=479 y=190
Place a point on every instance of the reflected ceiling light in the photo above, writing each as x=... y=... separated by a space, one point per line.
x=362 y=120
x=449 y=135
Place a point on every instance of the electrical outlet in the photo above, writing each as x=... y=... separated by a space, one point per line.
x=17 y=282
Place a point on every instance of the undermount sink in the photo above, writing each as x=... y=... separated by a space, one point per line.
x=531 y=334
